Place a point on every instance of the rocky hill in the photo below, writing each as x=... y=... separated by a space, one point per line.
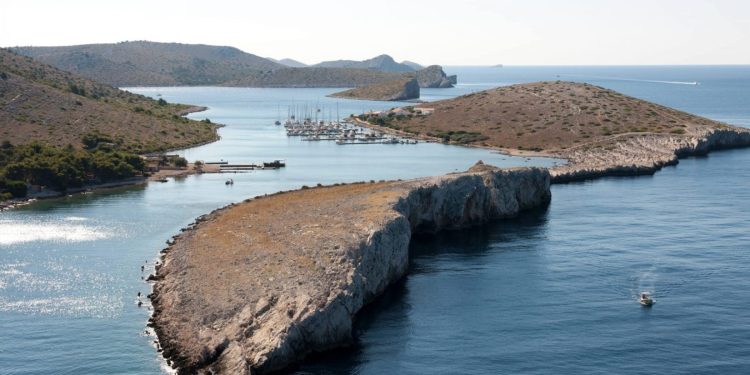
x=382 y=63
x=413 y=65
x=292 y=63
x=151 y=63
x=599 y=131
x=433 y=76
x=39 y=102
x=173 y=64
x=400 y=89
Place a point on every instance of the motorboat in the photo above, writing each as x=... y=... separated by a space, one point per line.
x=645 y=299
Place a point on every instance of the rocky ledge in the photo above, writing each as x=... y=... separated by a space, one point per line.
x=255 y=287
x=644 y=154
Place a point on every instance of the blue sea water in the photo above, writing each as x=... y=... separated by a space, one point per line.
x=551 y=292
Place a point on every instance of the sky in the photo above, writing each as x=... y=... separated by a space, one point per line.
x=465 y=32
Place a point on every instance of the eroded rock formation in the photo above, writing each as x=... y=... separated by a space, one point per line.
x=255 y=287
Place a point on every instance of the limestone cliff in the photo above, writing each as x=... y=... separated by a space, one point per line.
x=645 y=154
x=255 y=287
x=433 y=76
x=400 y=89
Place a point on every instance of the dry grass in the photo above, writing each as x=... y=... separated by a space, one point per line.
x=550 y=117
x=39 y=102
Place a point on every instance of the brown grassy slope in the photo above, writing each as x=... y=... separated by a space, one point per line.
x=400 y=89
x=551 y=117
x=37 y=103
x=151 y=63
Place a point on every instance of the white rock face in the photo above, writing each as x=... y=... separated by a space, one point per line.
x=433 y=204
x=281 y=328
x=646 y=154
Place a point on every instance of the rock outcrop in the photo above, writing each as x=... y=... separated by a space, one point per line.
x=255 y=287
x=401 y=89
x=645 y=154
x=433 y=76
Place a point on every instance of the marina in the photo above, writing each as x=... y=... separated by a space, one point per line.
x=342 y=132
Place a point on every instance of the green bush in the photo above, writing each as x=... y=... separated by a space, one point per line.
x=63 y=168
x=180 y=162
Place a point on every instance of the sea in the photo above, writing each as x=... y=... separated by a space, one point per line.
x=551 y=292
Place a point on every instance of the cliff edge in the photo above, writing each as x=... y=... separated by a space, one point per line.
x=255 y=287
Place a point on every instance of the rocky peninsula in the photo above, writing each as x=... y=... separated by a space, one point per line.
x=397 y=90
x=600 y=132
x=254 y=287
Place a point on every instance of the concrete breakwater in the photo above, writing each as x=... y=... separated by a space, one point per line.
x=645 y=154
x=256 y=286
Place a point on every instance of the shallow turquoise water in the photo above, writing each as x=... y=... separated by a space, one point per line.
x=552 y=292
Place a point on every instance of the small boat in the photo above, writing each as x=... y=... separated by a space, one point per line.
x=229 y=182
x=645 y=299
x=277 y=122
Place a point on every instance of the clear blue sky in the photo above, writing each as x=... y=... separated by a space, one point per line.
x=466 y=32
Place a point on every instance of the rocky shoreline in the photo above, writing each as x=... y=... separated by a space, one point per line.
x=254 y=287
x=619 y=156
x=644 y=154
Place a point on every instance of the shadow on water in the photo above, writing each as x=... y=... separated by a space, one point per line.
x=389 y=314
x=78 y=199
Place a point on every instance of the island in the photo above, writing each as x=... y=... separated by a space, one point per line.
x=397 y=90
x=145 y=63
x=600 y=132
x=256 y=286
x=61 y=132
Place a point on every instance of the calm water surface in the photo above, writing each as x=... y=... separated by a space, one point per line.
x=552 y=292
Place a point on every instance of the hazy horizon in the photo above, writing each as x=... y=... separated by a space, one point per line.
x=473 y=33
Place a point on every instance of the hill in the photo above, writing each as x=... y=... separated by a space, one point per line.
x=412 y=64
x=151 y=63
x=41 y=103
x=173 y=64
x=400 y=89
x=599 y=131
x=292 y=63
x=549 y=116
x=383 y=63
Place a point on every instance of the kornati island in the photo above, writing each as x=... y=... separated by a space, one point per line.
x=299 y=188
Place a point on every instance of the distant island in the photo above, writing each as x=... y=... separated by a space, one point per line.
x=143 y=63
x=407 y=87
x=400 y=89
x=63 y=131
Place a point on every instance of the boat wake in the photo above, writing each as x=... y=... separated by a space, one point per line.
x=690 y=83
